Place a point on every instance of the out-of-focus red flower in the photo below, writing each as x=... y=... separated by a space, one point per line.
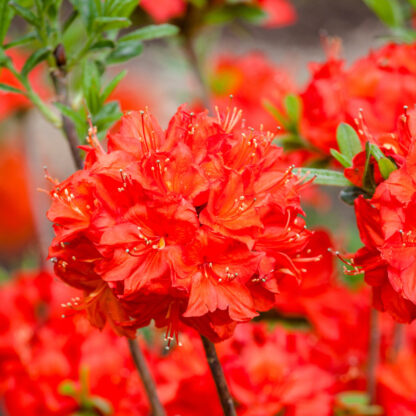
x=279 y=12
x=164 y=10
x=251 y=79
x=397 y=384
x=132 y=92
x=11 y=102
x=16 y=221
x=198 y=223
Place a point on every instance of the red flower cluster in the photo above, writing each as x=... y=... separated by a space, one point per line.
x=380 y=84
x=197 y=224
x=50 y=366
x=387 y=225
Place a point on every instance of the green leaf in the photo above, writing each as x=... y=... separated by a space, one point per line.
x=70 y=113
x=112 y=85
x=25 y=13
x=9 y=88
x=88 y=11
x=389 y=12
x=103 y=43
x=323 y=176
x=124 y=51
x=341 y=158
x=6 y=16
x=103 y=406
x=150 y=32
x=275 y=112
x=227 y=13
x=348 y=141
x=36 y=58
x=121 y=8
x=104 y=23
x=412 y=3
x=30 y=37
x=91 y=85
x=67 y=388
x=385 y=165
x=293 y=105
x=71 y=19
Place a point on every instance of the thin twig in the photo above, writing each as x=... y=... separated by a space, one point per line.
x=197 y=70
x=58 y=76
x=219 y=378
x=398 y=339
x=373 y=356
x=148 y=382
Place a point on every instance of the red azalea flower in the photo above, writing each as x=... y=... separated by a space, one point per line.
x=280 y=12
x=177 y=226
x=379 y=84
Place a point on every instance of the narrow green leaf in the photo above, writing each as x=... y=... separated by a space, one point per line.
x=67 y=388
x=121 y=8
x=323 y=176
x=70 y=113
x=91 y=85
x=9 y=88
x=25 y=13
x=104 y=23
x=30 y=37
x=385 y=165
x=269 y=106
x=112 y=85
x=88 y=11
x=36 y=58
x=345 y=161
x=124 y=51
x=293 y=105
x=150 y=32
x=102 y=44
x=348 y=141
x=389 y=12
x=6 y=16
x=71 y=19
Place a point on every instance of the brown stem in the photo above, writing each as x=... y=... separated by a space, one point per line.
x=147 y=379
x=58 y=76
x=219 y=378
x=197 y=70
x=398 y=338
x=373 y=356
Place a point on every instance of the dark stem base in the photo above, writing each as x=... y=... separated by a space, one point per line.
x=146 y=377
x=227 y=402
